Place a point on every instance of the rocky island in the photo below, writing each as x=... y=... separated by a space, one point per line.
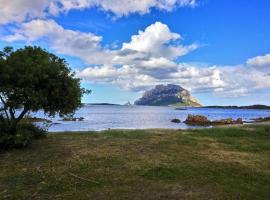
x=168 y=95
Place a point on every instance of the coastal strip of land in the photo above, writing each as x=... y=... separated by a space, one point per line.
x=216 y=163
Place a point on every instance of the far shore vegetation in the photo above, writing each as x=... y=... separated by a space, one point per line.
x=218 y=163
x=241 y=107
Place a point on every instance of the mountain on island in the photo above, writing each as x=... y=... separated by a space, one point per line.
x=168 y=95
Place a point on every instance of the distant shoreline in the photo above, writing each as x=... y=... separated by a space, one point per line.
x=172 y=129
x=101 y=104
x=258 y=107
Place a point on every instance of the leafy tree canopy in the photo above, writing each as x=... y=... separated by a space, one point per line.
x=32 y=79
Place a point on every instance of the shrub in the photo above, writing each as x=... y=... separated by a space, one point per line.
x=176 y=121
x=35 y=131
x=23 y=136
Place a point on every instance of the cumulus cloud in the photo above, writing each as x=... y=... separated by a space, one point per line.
x=243 y=80
x=126 y=77
x=124 y=8
x=156 y=40
x=148 y=59
x=191 y=77
x=152 y=48
x=204 y=79
x=225 y=81
x=74 y=43
x=155 y=63
x=261 y=63
x=156 y=46
x=22 y=10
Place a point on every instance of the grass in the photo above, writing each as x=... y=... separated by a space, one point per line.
x=218 y=163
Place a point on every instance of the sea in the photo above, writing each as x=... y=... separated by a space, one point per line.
x=104 y=117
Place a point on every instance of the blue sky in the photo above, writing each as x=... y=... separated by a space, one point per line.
x=217 y=49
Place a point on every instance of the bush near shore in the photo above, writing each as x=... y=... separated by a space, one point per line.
x=25 y=133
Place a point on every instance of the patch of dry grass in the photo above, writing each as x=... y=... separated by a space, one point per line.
x=218 y=163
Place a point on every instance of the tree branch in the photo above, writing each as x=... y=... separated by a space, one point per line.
x=12 y=113
x=4 y=107
x=21 y=115
x=6 y=114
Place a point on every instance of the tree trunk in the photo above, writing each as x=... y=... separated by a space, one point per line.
x=14 y=122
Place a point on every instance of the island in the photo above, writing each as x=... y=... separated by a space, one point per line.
x=168 y=95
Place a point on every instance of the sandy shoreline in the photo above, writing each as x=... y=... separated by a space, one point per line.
x=206 y=127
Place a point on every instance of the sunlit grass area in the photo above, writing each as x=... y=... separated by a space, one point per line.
x=218 y=163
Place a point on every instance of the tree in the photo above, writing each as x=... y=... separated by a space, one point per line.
x=33 y=79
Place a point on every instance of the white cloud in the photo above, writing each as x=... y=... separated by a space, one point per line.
x=23 y=10
x=69 y=42
x=135 y=78
x=154 y=35
x=198 y=79
x=120 y=7
x=126 y=76
x=155 y=47
x=230 y=81
x=156 y=40
x=152 y=48
x=260 y=62
x=242 y=80
x=147 y=60
x=161 y=62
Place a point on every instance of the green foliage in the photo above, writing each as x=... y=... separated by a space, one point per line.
x=33 y=79
x=186 y=104
x=35 y=131
x=164 y=101
x=25 y=133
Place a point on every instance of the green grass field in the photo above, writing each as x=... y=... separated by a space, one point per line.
x=219 y=163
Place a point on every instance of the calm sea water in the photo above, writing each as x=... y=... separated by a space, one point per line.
x=97 y=117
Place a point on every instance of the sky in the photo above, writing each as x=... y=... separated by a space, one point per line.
x=217 y=49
